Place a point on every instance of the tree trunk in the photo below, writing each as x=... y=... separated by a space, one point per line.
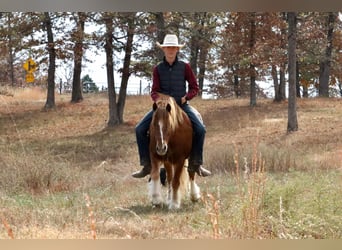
x=305 y=92
x=160 y=22
x=50 y=100
x=253 y=99
x=126 y=64
x=113 y=114
x=76 y=95
x=200 y=45
x=194 y=51
x=279 y=84
x=194 y=43
x=283 y=45
x=326 y=60
x=237 y=89
x=236 y=82
x=274 y=74
x=252 y=71
x=292 y=124
x=297 y=79
x=202 y=67
x=10 y=49
x=282 y=83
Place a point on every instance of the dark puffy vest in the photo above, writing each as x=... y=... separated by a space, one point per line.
x=172 y=79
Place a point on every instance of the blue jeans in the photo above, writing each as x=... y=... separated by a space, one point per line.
x=199 y=130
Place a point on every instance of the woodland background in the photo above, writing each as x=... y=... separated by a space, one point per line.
x=230 y=50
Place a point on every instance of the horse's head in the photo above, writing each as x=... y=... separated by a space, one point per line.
x=161 y=126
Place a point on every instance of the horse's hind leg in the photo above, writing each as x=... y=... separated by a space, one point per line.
x=155 y=186
x=195 y=193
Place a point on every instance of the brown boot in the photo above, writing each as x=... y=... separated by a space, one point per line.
x=200 y=170
x=146 y=170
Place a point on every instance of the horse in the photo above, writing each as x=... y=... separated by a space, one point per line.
x=170 y=145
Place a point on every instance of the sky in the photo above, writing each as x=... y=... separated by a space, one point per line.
x=97 y=71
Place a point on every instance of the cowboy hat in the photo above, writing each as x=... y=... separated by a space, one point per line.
x=170 y=40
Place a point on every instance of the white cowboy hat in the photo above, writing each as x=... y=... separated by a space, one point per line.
x=170 y=40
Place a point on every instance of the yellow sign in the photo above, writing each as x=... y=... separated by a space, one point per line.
x=30 y=65
x=29 y=77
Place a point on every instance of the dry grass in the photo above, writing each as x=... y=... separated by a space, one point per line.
x=65 y=175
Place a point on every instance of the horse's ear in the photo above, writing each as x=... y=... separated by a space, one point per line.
x=154 y=106
x=168 y=107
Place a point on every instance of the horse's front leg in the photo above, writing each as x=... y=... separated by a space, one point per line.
x=155 y=186
x=169 y=176
x=175 y=200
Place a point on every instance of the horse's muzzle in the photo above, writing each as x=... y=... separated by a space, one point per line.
x=161 y=149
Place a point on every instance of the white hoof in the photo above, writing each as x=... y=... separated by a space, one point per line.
x=174 y=206
x=157 y=200
x=195 y=193
x=195 y=197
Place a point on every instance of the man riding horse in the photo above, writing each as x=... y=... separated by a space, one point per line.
x=170 y=77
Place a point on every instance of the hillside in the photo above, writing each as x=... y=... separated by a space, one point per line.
x=66 y=175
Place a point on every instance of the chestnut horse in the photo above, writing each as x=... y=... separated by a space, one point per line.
x=170 y=145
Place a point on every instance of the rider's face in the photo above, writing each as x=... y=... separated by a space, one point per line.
x=170 y=53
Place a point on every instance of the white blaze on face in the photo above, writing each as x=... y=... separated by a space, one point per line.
x=161 y=132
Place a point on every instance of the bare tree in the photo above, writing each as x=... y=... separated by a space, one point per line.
x=10 y=50
x=129 y=18
x=160 y=23
x=113 y=114
x=50 y=100
x=252 y=71
x=292 y=123
x=126 y=22
x=78 y=36
x=326 y=60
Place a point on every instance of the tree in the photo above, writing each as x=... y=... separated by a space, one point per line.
x=50 y=100
x=242 y=53
x=292 y=123
x=160 y=25
x=113 y=114
x=252 y=72
x=235 y=56
x=313 y=47
x=336 y=69
x=16 y=29
x=149 y=28
x=202 y=31
x=78 y=37
x=325 y=62
x=10 y=48
x=88 y=84
x=129 y=29
x=119 y=34
x=278 y=57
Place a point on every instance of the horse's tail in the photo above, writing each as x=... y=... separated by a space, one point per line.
x=184 y=179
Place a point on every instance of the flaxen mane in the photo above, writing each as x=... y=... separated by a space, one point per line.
x=176 y=115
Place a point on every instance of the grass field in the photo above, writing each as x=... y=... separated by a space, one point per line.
x=65 y=175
